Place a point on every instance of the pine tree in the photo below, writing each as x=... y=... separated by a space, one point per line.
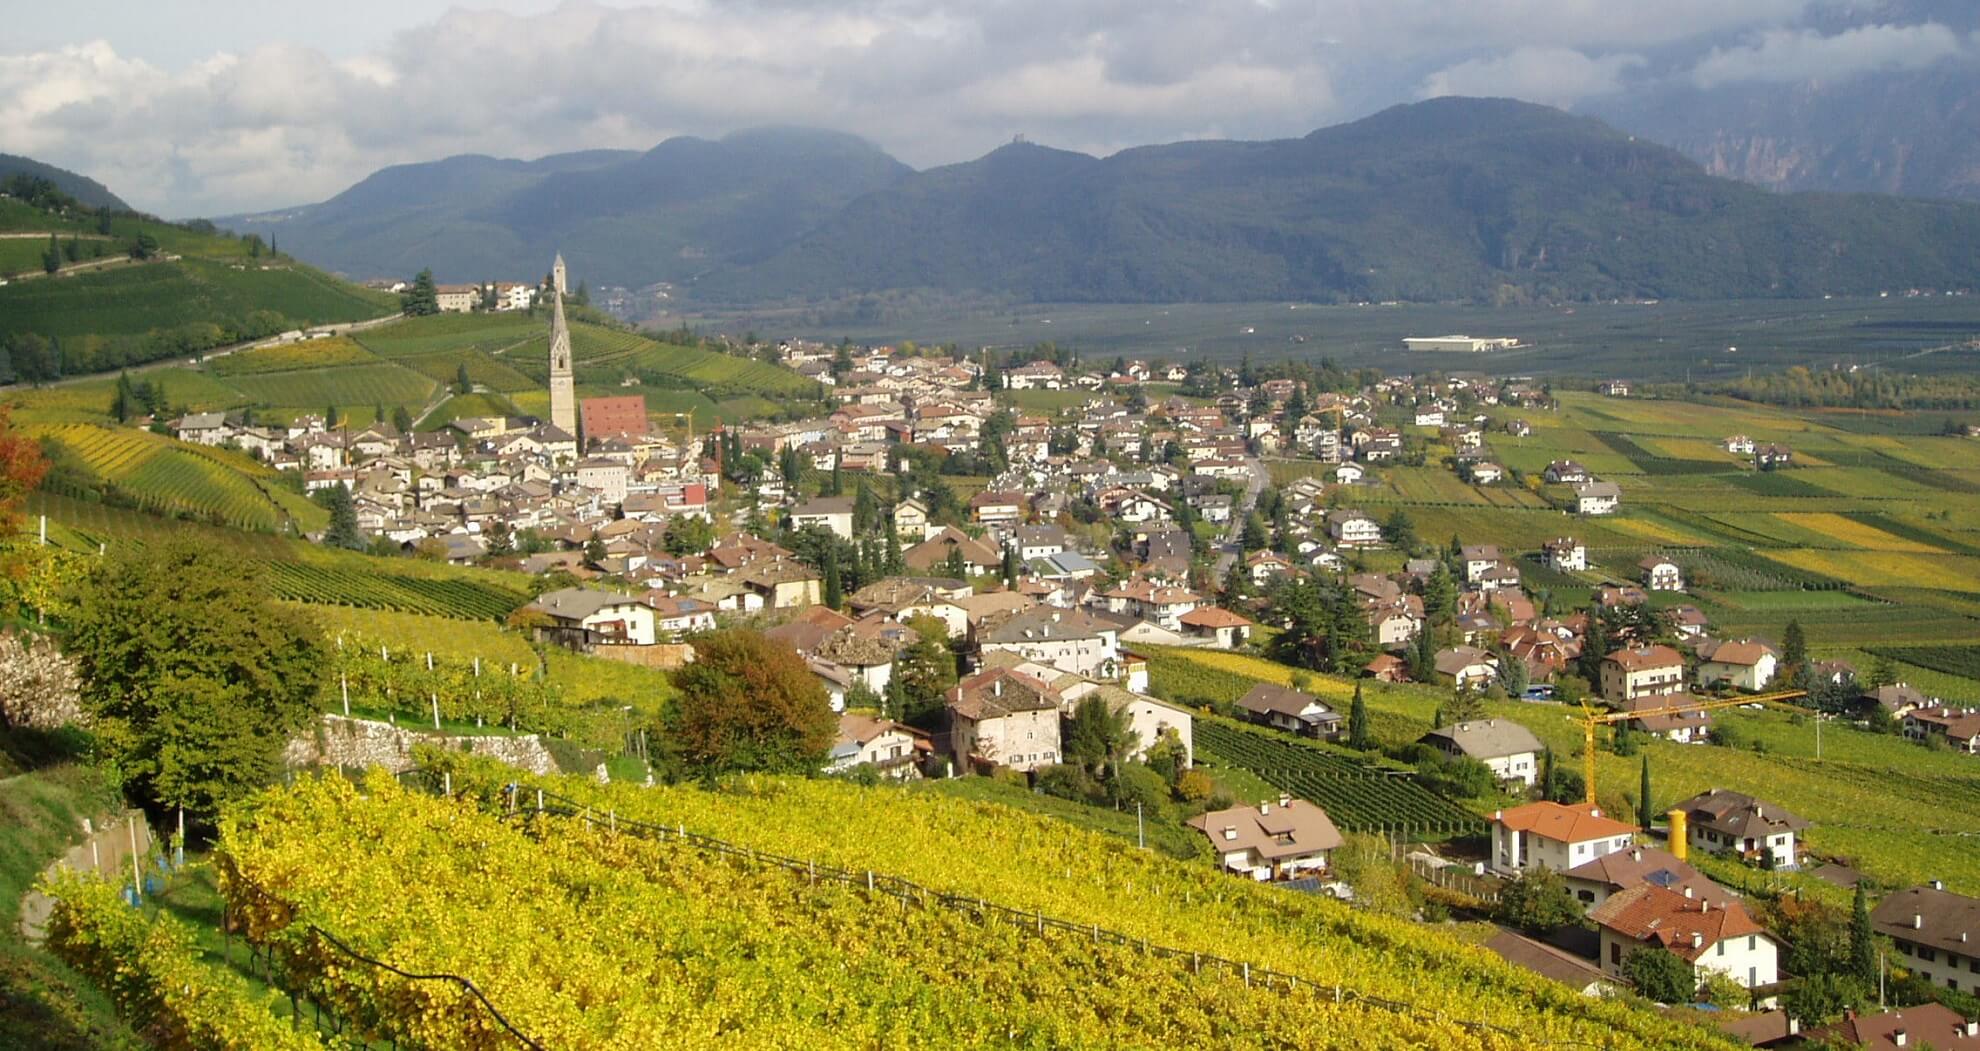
x=125 y=399
x=330 y=418
x=423 y=298
x=834 y=594
x=1358 y=722
x=1644 y=810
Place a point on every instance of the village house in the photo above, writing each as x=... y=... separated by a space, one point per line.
x=992 y=507
x=1157 y=603
x=911 y=521
x=1593 y=882
x=1354 y=529
x=1003 y=718
x=866 y=740
x=1726 y=822
x=1565 y=472
x=1936 y=934
x=1723 y=937
x=1557 y=836
x=1641 y=671
x=1072 y=641
x=1596 y=498
x=1223 y=629
x=1566 y=555
x=1661 y=574
x=1467 y=667
x=1506 y=748
x=582 y=618
x=1958 y=727
x=832 y=512
x=1741 y=663
x=1277 y=839
x=1284 y=708
x=1739 y=445
x=1931 y=1025
x=1039 y=375
x=1684 y=726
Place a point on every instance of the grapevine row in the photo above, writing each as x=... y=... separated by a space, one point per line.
x=1355 y=796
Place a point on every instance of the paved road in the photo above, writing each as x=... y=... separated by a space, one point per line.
x=1228 y=547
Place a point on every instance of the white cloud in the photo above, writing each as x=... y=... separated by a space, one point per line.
x=1557 y=76
x=1785 y=56
x=933 y=81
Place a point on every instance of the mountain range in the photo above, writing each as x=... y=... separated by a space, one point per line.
x=1448 y=199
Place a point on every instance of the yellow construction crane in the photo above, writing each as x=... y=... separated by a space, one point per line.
x=1590 y=719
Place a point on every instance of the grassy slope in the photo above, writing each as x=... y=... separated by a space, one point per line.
x=42 y=1003
x=1874 y=801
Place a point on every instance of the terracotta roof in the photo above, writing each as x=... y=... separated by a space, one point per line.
x=1686 y=926
x=1648 y=866
x=1640 y=658
x=1213 y=617
x=1926 y=1025
x=999 y=692
x=1563 y=823
x=1744 y=652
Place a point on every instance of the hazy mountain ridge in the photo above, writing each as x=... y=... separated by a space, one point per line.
x=83 y=188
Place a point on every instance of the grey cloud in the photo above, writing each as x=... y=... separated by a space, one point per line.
x=933 y=81
x=1786 y=56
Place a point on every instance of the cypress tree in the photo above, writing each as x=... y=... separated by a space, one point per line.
x=894 y=562
x=1862 y=943
x=1358 y=722
x=1644 y=811
x=834 y=593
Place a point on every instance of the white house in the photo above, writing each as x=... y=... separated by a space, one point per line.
x=1721 y=821
x=1661 y=574
x=1934 y=931
x=1003 y=718
x=832 y=512
x=1741 y=663
x=1507 y=748
x=1557 y=836
x=1566 y=555
x=1072 y=641
x=865 y=740
x=580 y=616
x=1710 y=936
x=1277 y=839
x=1596 y=498
x=1284 y=708
x=1354 y=529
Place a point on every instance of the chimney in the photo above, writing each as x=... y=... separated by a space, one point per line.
x=1687 y=892
x=1971 y=1028
x=1917 y=921
x=1899 y=1038
x=1697 y=940
x=1938 y=884
x=1794 y=1026
x=1285 y=803
x=1264 y=806
x=1636 y=854
x=1704 y=905
x=997 y=688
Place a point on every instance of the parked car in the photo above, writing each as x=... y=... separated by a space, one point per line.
x=1538 y=692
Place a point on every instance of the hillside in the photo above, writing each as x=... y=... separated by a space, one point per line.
x=1473 y=199
x=132 y=289
x=625 y=218
x=907 y=918
x=84 y=189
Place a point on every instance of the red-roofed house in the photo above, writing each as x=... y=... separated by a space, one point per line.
x=1557 y=836
x=1711 y=937
x=1224 y=628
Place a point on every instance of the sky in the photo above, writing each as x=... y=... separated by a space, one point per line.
x=211 y=107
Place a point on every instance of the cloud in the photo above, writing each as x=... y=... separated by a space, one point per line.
x=933 y=81
x=1789 y=55
x=1557 y=76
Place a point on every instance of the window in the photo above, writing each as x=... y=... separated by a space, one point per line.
x=1752 y=942
x=1615 y=952
x=1928 y=955
x=1587 y=896
x=1722 y=948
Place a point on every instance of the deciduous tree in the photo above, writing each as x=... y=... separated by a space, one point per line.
x=747 y=703
x=194 y=677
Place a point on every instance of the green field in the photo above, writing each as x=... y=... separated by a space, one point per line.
x=133 y=301
x=345 y=386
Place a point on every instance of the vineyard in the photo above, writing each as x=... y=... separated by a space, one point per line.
x=420 y=685
x=383 y=589
x=169 y=477
x=342 y=385
x=133 y=301
x=285 y=357
x=1963 y=661
x=1358 y=797
x=436 y=333
x=885 y=918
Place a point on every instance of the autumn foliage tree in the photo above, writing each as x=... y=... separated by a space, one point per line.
x=747 y=703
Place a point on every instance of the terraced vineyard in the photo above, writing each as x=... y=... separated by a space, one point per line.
x=170 y=477
x=441 y=333
x=338 y=586
x=286 y=357
x=1358 y=797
